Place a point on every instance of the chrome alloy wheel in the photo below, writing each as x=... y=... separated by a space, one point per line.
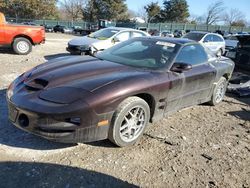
x=132 y=124
x=220 y=92
x=22 y=46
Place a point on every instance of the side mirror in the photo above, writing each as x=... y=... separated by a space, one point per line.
x=205 y=40
x=115 y=39
x=181 y=67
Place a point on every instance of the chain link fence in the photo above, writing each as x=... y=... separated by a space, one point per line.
x=149 y=26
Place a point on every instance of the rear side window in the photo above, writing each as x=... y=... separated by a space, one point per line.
x=192 y=54
x=194 y=36
x=217 y=38
x=123 y=36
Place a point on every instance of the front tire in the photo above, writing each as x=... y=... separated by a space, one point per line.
x=129 y=121
x=219 y=53
x=219 y=91
x=22 y=46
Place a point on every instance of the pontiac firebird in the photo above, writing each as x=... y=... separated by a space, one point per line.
x=117 y=93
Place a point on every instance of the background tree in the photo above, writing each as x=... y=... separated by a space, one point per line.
x=234 y=17
x=73 y=8
x=174 y=11
x=152 y=10
x=31 y=9
x=214 y=13
x=106 y=9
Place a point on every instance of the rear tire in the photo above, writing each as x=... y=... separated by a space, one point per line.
x=22 y=46
x=219 y=91
x=129 y=121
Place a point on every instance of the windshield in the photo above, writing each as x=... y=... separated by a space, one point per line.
x=194 y=36
x=103 y=34
x=141 y=52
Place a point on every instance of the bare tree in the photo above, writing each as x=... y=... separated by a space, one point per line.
x=214 y=12
x=195 y=19
x=234 y=16
x=142 y=13
x=73 y=8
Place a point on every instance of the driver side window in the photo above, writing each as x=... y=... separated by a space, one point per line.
x=192 y=54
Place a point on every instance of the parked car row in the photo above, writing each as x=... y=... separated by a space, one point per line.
x=102 y=39
x=130 y=79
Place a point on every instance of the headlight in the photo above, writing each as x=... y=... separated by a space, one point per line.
x=10 y=91
x=63 y=95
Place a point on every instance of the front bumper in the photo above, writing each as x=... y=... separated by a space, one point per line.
x=78 y=50
x=57 y=127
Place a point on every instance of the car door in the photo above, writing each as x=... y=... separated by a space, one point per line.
x=2 y=34
x=209 y=43
x=196 y=84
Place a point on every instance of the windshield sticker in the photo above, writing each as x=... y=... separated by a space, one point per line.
x=165 y=43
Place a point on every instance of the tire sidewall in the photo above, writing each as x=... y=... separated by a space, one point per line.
x=118 y=118
x=221 y=81
x=15 y=43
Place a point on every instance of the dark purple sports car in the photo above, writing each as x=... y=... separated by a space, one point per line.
x=117 y=93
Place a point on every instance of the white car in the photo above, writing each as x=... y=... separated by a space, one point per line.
x=102 y=39
x=212 y=41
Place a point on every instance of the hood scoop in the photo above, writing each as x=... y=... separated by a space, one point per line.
x=36 y=84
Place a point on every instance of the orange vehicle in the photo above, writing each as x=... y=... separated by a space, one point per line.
x=20 y=37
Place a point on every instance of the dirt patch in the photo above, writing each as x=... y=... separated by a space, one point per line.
x=202 y=146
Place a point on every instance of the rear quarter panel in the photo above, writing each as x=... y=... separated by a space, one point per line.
x=35 y=34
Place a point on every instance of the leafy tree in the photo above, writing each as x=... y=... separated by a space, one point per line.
x=152 y=9
x=174 y=11
x=31 y=9
x=239 y=23
x=105 y=9
x=73 y=8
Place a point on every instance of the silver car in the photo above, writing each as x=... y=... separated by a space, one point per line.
x=212 y=41
x=102 y=39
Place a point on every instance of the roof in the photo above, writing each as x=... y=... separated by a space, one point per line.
x=181 y=41
x=201 y=32
x=121 y=28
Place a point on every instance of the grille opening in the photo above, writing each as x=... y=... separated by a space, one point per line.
x=74 y=120
x=31 y=88
x=53 y=130
x=23 y=120
x=42 y=82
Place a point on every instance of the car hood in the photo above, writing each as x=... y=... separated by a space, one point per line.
x=80 y=41
x=86 y=73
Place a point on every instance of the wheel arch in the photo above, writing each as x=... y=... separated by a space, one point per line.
x=227 y=76
x=23 y=36
x=150 y=101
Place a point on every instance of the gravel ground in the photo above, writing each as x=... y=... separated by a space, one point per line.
x=202 y=146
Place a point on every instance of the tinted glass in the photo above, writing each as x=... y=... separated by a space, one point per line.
x=194 y=36
x=217 y=38
x=208 y=38
x=140 y=52
x=103 y=34
x=192 y=54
